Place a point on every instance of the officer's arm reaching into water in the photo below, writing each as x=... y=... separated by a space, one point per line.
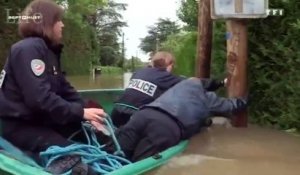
x=224 y=106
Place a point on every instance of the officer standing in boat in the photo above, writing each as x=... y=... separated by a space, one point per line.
x=38 y=106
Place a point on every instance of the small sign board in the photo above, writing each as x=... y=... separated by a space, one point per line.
x=239 y=9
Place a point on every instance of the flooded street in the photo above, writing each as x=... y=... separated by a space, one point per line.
x=221 y=149
x=103 y=81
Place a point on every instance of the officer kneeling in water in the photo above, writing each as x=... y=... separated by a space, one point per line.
x=145 y=85
x=176 y=115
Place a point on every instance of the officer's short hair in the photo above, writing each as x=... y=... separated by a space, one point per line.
x=38 y=19
x=162 y=59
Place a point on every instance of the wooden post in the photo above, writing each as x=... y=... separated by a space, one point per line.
x=123 y=52
x=204 y=40
x=132 y=64
x=236 y=65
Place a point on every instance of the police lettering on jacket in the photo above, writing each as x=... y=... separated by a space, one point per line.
x=143 y=86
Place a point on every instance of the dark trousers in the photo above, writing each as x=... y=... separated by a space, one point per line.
x=33 y=137
x=147 y=132
x=120 y=115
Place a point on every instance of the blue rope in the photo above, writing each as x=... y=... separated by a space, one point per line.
x=90 y=153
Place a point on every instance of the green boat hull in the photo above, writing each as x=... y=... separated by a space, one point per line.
x=105 y=97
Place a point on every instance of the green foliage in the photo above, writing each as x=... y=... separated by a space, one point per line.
x=157 y=34
x=90 y=26
x=183 y=46
x=81 y=48
x=274 y=68
x=274 y=61
x=218 y=59
x=80 y=38
x=108 y=22
x=8 y=28
x=188 y=13
x=83 y=7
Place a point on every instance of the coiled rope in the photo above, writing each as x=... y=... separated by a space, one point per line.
x=90 y=153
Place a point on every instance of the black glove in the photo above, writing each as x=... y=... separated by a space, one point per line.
x=241 y=104
x=212 y=84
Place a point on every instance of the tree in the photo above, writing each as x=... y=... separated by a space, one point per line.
x=80 y=37
x=108 y=25
x=188 y=13
x=157 y=34
x=81 y=47
x=274 y=65
x=183 y=46
x=8 y=28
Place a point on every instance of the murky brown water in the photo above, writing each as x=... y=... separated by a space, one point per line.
x=221 y=149
x=104 y=81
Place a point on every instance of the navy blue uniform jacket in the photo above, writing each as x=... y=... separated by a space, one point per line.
x=146 y=85
x=28 y=92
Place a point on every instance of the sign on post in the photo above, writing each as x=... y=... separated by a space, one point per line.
x=239 y=9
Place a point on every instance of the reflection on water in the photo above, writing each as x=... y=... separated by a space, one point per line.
x=222 y=150
x=103 y=81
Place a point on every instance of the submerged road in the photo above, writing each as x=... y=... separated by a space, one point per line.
x=223 y=150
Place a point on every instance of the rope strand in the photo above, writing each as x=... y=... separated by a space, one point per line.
x=90 y=153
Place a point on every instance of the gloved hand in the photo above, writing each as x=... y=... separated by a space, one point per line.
x=241 y=103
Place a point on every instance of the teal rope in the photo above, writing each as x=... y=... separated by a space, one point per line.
x=111 y=130
x=90 y=153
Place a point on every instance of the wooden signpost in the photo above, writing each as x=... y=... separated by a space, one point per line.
x=237 y=58
x=237 y=12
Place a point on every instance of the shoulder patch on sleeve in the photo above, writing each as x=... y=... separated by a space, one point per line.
x=2 y=77
x=37 y=67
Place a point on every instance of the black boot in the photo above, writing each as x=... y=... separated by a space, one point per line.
x=63 y=164
x=66 y=163
x=208 y=122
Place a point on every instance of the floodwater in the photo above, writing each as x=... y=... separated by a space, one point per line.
x=104 y=81
x=222 y=149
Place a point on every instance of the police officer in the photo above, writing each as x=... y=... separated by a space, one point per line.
x=144 y=86
x=38 y=106
x=176 y=115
